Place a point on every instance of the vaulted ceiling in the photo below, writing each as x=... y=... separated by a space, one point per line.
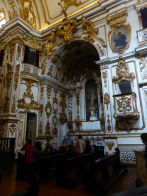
x=43 y=13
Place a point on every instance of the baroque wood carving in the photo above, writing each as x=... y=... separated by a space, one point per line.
x=122 y=72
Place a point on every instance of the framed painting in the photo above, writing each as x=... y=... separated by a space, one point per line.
x=119 y=38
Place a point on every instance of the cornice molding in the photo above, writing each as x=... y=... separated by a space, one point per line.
x=19 y=23
x=141 y=50
x=47 y=80
x=137 y=52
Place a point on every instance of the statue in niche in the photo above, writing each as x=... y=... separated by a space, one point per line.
x=92 y=106
x=91 y=101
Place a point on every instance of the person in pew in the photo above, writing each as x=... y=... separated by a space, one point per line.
x=88 y=147
x=28 y=158
x=80 y=145
x=49 y=147
x=38 y=150
x=66 y=143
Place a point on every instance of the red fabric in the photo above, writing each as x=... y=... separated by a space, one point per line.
x=29 y=153
x=77 y=147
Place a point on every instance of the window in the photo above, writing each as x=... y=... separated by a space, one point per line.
x=31 y=56
x=2 y=19
x=124 y=87
x=144 y=17
x=1 y=57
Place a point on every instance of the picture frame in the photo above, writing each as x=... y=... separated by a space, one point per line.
x=119 y=38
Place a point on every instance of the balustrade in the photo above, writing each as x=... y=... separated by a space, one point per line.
x=142 y=36
x=27 y=68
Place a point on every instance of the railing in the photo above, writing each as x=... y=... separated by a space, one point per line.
x=27 y=68
x=7 y=145
x=142 y=36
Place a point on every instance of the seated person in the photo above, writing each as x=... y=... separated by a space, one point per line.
x=80 y=145
x=87 y=146
x=66 y=143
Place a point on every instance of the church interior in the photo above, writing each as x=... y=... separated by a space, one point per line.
x=73 y=86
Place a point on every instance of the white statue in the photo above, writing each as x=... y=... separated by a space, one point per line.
x=92 y=106
x=92 y=99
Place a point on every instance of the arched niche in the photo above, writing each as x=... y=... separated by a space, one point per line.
x=91 y=100
x=74 y=65
x=91 y=84
x=66 y=61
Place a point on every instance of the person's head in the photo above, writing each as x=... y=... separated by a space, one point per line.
x=79 y=136
x=29 y=141
x=144 y=138
x=119 y=34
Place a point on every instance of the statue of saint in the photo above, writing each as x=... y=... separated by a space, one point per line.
x=92 y=106
x=92 y=100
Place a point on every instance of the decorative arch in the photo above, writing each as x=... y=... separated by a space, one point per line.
x=69 y=31
x=55 y=69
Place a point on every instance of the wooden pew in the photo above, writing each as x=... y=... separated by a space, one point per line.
x=102 y=174
x=141 y=165
x=141 y=191
x=74 y=164
x=98 y=175
x=62 y=161
x=45 y=162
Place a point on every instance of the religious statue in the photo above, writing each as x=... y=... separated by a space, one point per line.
x=92 y=106
x=92 y=99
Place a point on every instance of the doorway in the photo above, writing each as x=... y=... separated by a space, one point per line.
x=31 y=127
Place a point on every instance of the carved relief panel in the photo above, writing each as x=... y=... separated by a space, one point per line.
x=127 y=106
x=105 y=72
x=110 y=145
x=29 y=96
